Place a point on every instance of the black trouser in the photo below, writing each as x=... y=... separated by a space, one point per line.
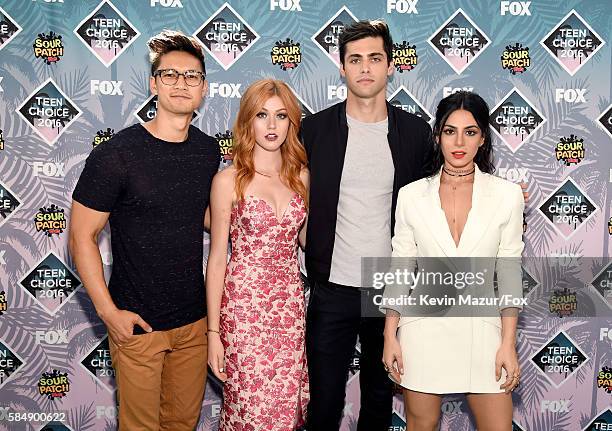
x=333 y=322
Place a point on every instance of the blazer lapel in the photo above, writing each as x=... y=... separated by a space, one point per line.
x=484 y=204
x=433 y=217
x=480 y=215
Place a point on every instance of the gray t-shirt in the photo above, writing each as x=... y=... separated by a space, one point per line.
x=363 y=227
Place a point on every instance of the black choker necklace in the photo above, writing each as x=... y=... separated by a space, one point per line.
x=457 y=174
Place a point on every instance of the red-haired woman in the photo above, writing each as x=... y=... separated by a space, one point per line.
x=256 y=313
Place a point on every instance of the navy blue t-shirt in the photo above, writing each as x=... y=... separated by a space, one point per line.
x=156 y=193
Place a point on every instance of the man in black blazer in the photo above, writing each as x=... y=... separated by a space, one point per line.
x=360 y=153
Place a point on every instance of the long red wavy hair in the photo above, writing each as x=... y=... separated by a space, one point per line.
x=292 y=151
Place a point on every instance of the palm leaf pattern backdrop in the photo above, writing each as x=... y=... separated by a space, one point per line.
x=89 y=405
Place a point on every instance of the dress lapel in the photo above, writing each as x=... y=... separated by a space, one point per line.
x=480 y=215
x=432 y=215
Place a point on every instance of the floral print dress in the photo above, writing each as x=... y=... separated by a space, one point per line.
x=263 y=320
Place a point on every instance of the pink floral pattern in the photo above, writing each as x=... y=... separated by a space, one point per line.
x=263 y=320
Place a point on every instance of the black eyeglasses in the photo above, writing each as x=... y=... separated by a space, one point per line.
x=193 y=78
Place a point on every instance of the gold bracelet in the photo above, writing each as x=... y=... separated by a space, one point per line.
x=214 y=330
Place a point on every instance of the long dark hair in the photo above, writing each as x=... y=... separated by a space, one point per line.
x=479 y=109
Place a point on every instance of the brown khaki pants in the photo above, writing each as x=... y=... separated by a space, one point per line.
x=161 y=377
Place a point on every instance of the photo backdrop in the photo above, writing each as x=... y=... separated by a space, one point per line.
x=72 y=73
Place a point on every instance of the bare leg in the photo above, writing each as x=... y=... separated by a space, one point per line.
x=422 y=410
x=493 y=412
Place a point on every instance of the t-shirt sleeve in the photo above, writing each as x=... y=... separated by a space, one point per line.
x=101 y=182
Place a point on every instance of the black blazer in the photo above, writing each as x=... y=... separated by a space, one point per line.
x=325 y=135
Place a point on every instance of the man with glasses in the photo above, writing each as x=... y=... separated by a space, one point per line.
x=152 y=183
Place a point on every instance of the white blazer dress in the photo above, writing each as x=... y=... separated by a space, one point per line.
x=457 y=354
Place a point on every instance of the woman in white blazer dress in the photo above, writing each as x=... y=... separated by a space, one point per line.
x=458 y=211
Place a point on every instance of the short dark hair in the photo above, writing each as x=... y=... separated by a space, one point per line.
x=172 y=40
x=479 y=109
x=361 y=30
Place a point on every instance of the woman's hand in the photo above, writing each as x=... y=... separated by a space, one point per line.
x=507 y=359
x=392 y=358
x=216 y=359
